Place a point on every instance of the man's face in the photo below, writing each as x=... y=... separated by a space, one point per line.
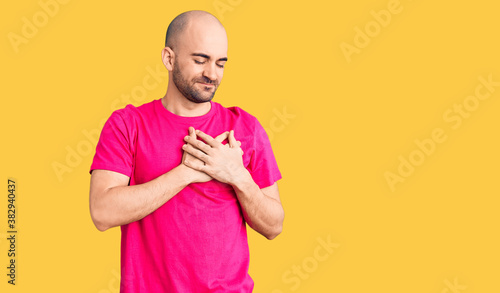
x=195 y=86
x=199 y=62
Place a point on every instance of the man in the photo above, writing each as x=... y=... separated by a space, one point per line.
x=173 y=175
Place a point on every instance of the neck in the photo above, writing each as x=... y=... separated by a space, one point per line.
x=176 y=103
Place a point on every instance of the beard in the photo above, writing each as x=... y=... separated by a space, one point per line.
x=189 y=90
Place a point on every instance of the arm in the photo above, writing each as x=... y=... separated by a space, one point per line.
x=262 y=208
x=114 y=203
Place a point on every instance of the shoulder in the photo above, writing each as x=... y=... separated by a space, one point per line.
x=236 y=113
x=130 y=113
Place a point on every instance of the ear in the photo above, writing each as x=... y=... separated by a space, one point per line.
x=167 y=56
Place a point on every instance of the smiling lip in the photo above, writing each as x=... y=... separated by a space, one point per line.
x=206 y=84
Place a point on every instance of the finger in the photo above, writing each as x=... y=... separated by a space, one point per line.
x=232 y=140
x=192 y=161
x=223 y=136
x=197 y=144
x=192 y=133
x=195 y=165
x=188 y=157
x=195 y=152
x=237 y=142
x=208 y=139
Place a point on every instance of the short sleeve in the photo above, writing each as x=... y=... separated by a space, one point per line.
x=114 y=151
x=263 y=166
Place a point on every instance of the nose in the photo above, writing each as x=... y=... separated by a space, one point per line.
x=210 y=71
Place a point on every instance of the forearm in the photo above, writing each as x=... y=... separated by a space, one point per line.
x=224 y=163
x=121 y=205
x=262 y=213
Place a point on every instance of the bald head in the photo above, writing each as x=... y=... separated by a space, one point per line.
x=185 y=20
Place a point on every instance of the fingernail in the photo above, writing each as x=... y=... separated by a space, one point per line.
x=186 y=137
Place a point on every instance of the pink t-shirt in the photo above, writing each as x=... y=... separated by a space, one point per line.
x=197 y=241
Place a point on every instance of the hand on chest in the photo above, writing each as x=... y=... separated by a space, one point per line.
x=157 y=152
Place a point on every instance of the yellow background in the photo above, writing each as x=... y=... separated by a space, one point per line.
x=352 y=121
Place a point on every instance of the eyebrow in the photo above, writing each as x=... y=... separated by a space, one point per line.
x=208 y=57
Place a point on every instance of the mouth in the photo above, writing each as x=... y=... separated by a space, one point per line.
x=207 y=84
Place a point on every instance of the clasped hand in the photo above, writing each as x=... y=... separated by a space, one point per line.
x=212 y=159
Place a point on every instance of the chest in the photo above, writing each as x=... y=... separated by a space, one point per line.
x=158 y=149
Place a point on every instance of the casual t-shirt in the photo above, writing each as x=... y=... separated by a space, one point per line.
x=197 y=241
